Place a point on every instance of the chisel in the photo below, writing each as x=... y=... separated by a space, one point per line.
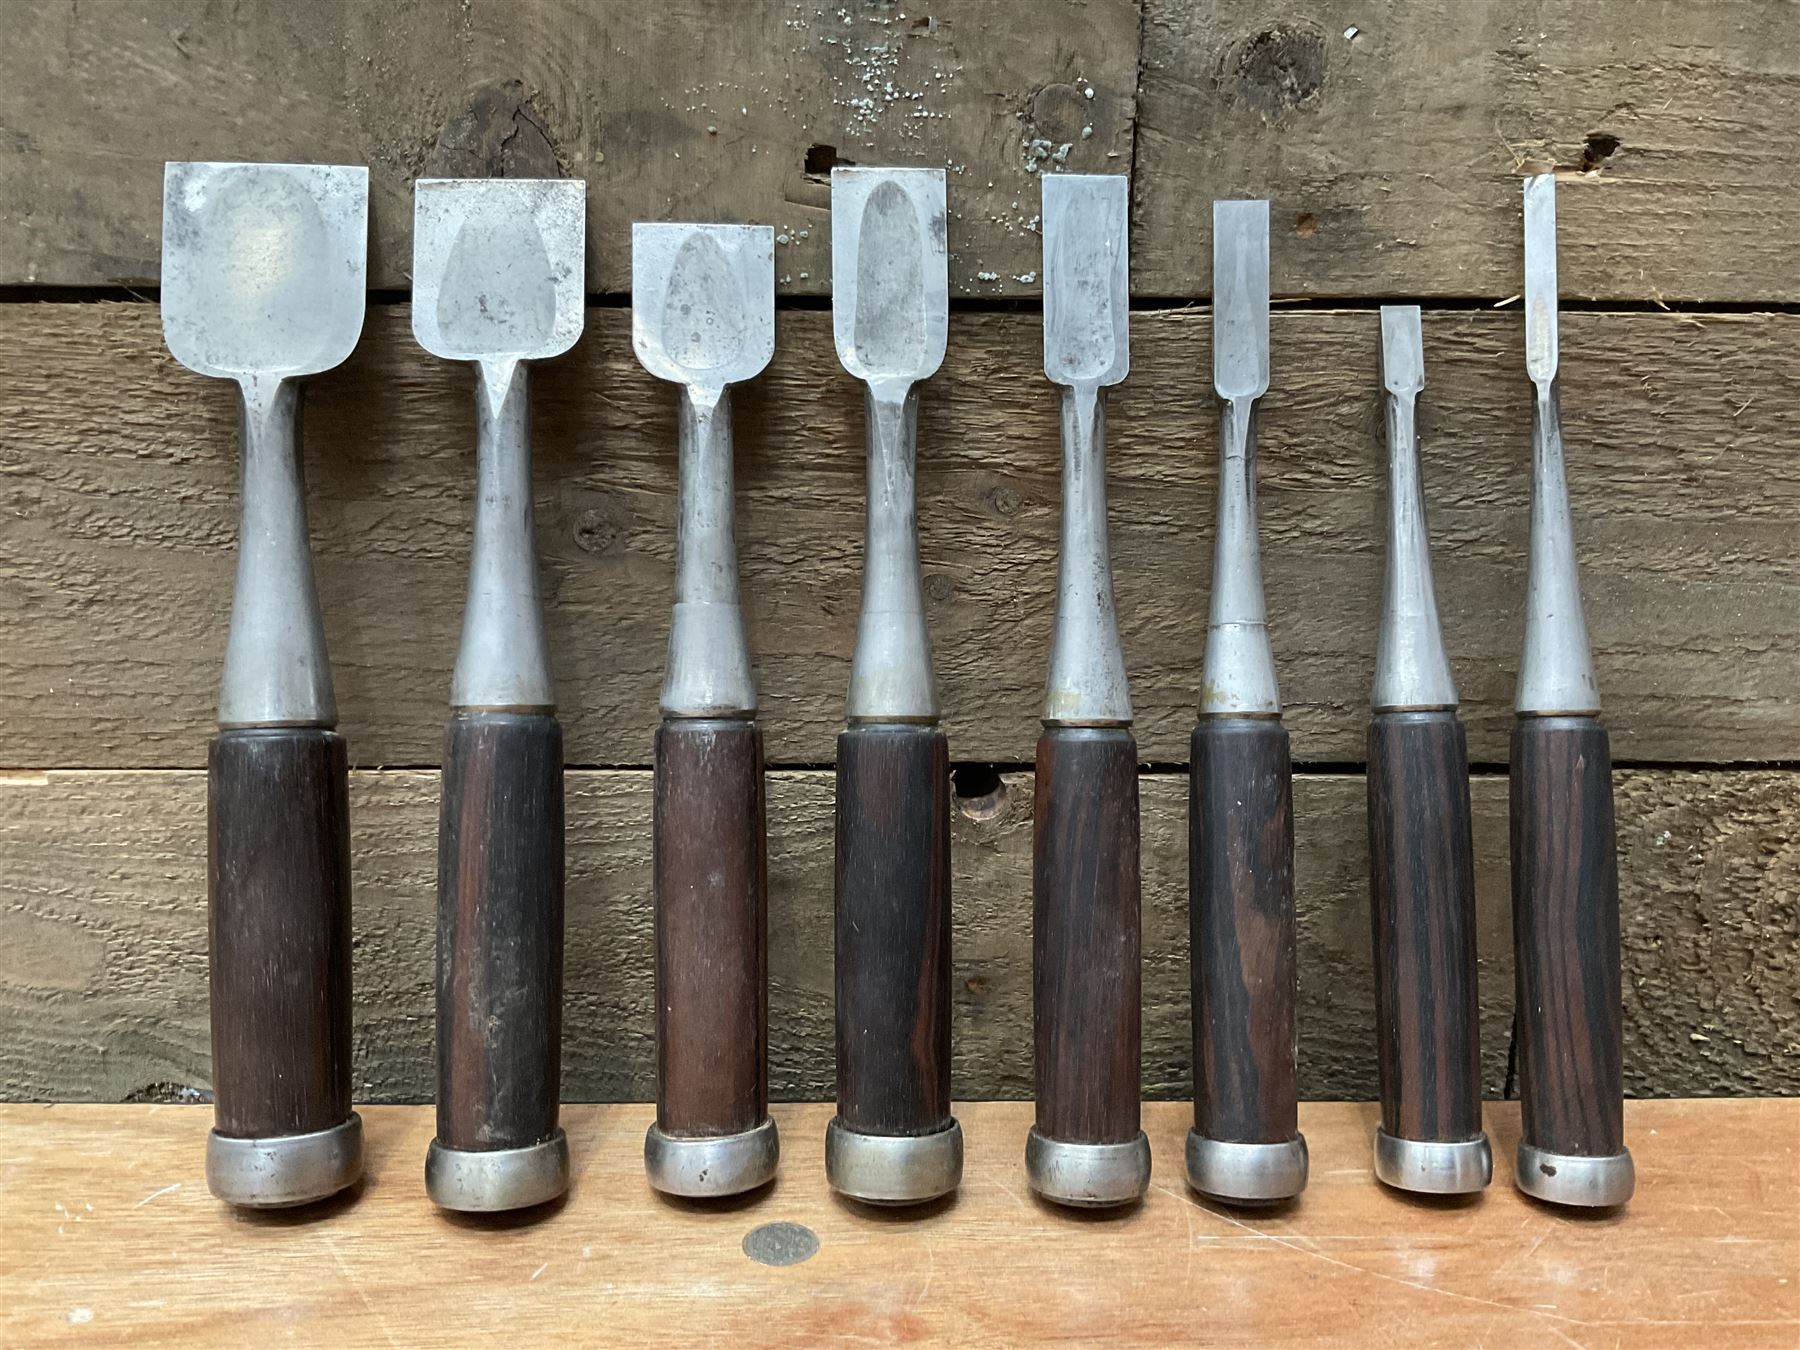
x=263 y=274
x=1421 y=850
x=1245 y=1146
x=893 y=1140
x=703 y=317
x=1564 y=870
x=1086 y=1148
x=498 y=281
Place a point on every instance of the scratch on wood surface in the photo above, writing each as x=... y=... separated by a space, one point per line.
x=170 y=1189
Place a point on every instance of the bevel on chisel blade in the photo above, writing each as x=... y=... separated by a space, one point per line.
x=1241 y=299
x=703 y=301
x=1087 y=278
x=890 y=277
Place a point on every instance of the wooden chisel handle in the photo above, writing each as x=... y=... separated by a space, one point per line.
x=1241 y=863
x=1086 y=936
x=893 y=930
x=500 y=932
x=712 y=990
x=278 y=886
x=1566 y=936
x=1422 y=906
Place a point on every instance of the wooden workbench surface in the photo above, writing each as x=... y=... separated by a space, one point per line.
x=111 y=1236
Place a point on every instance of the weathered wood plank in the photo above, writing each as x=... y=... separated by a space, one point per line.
x=103 y=935
x=118 y=493
x=672 y=110
x=114 y=1239
x=1391 y=138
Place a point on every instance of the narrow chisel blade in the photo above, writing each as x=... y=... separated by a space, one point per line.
x=1241 y=299
x=1402 y=349
x=1540 y=277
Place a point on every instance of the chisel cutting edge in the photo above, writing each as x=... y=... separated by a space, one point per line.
x=1245 y=1146
x=498 y=281
x=263 y=277
x=1564 y=867
x=893 y=1140
x=703 y=317
x=1421 y=853
x=1086 y=1148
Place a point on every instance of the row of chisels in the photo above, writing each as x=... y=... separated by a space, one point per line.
x=263 y=283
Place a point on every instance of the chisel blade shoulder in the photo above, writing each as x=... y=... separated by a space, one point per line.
x=1087 y=278
x=264 y=266
x=1241 y=299
x=1402 y=349
x=890 y=275
x=498 y=266
x=1540 y=278
x=703 y=301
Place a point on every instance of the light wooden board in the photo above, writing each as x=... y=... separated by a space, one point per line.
x=669 y=111
x=118 y=496
x=1391 y=139
x=103 y=936
x=113 y=1239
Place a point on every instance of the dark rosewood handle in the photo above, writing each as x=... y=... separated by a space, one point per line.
x=1241 y=912
x=712 y=1042
x=893 y=930
x=1086 y=940
x=1566 y=936
x=500 y=931
x=278 y=884
x=1422 y=904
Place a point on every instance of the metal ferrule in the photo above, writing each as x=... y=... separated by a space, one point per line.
x=1412 y=670
x=504 y=660
x=1087 y=685
x=708 y=673
x=276 y=670
x=1556 y=677
x=1239 y=675
x=890 y=675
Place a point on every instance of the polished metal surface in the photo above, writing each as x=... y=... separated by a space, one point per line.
x=1556 y=675
x=1412 y=669
x=1432 y=1168
x=1087 y=294
x=489 y=1181
x=1569 y=1179
x=703 y=317
x=498 y=276
x=1238 y=678
x=707 y=1167
x=893 y=1169
x=1246 y=1174
x=286 y=1170
x=264 y=268
x=890 y=307
x=1088 y=1176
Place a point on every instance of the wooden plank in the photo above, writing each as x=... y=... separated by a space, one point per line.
x=1391 y=138
x=665 y=110
x=116 y=1239
x=103 y=935
x=118 y=487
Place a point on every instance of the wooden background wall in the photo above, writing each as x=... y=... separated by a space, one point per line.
x=1391 y=138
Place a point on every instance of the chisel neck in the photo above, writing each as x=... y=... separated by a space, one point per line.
x=1556 y=676
x=1239 y=675
x=890 y=674
x=1412 y=670
x=276 y=669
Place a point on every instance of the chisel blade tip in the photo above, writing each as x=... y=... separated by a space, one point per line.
x=1241 y=298
x=1540 y=277
x=1087 y=278
x=890 y=279
x=1402 y=349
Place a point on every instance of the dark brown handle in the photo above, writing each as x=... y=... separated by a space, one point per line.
x=1422 y=905
x=1086 y=938
x=278 y=887
x=500 y=931
x=1241 y=913
x=1566 y=937
x=712 y=988
x=893 y=930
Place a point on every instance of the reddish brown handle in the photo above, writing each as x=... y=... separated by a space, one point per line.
x=1422 y=906
x=1241 y=913
x=1086 y=939
x=1566 y=937
x=712 y=992
x=500 y=931
x=893 y=930
x=278 y=887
